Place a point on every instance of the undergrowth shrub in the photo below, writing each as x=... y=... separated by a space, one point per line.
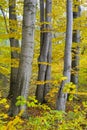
x=42 y=117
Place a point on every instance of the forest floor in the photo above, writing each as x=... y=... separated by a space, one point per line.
x=45 y=117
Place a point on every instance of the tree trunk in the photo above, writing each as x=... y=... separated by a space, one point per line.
x=75 y=50
x=13 y=43
x=62 y=97
x=27 y=50
x=45 y=51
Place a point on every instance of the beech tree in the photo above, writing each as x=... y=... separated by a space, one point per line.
x=27 y=49
x=13 y=43
x=75 y=48
x=44 y=59
x=62 y=97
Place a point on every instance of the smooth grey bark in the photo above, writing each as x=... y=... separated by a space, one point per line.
x=42 y=20
x=75 y=50
x=13 y=43
x=44 y=71
x=62 y=97
x=27 y=50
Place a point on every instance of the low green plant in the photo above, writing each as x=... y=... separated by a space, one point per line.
x=42 y=117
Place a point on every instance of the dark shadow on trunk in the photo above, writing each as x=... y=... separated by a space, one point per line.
x=44 y=70
x=14 y=43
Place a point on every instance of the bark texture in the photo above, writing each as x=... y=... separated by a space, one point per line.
x=44 y=71
x=13 y=43
x=62 y=97
x=75 y=50
x=27 y=49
